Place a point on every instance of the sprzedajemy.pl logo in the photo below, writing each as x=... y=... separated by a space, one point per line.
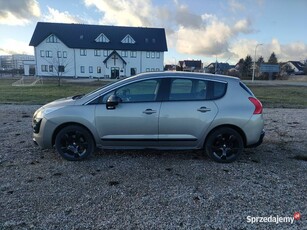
x=273 y=219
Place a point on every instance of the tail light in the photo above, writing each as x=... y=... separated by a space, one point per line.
x=257 y=104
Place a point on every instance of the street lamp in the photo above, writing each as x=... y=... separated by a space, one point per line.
x=254 y=67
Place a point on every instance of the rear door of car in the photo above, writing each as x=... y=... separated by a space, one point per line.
x=134 y=121
x=186 y=112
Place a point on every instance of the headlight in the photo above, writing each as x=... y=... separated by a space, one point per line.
x=41 y=112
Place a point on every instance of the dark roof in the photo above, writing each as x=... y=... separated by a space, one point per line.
x=83 y=36
x=220 y=66
x=192 y=63
x=298 y=65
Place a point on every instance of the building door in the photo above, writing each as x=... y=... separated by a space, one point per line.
x=114 y=73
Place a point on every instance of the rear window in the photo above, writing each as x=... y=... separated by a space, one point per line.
x=219 y=90
x=192 y=89
x=246 y=89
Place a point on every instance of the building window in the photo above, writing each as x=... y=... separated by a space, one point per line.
x=132 y=71
x=90 y=69
x=82 y=52
x=48 y=54
x=157 y=54
x=105 y=53
x=44 y=68
x=82 y=69
x=52 y=39
x=153 y=69
x=124 y=53
x=59 y=54
x=50 y=68
x=157 y=69
x=147 y=70
x=97 y=52
x=128 y=39
x=102 y=38
x=147 y=54
x=42 y=53
x=152 y=54
x=98 y=69
x=64 y=54
x=133 y=54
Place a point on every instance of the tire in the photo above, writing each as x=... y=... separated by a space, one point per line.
x=224 y=145
x=74 y=143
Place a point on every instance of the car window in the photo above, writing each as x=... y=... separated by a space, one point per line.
x=219 y=90
x=187 y=89
x=143 y=91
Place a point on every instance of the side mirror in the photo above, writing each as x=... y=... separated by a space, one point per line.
x=113 y=101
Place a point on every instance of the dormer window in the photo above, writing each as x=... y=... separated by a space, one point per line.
x=128 y=39
x=102 y=38
x=52 y=39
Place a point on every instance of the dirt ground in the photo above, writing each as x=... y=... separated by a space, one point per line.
x=153 y=189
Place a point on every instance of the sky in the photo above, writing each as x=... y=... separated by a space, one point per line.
x=207 y=30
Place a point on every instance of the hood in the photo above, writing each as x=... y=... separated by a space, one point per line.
x=60 y=102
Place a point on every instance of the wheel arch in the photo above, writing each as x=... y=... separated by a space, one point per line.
x=57 y=130
x=236 y=128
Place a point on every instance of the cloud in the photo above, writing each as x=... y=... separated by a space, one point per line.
x=125 y=12
x=55 y=15
x=15 y=47
x=185 y=18
x=18 y=12
x=235 y=6
x=284 y=52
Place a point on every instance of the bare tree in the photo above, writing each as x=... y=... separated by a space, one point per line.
x=59 y=63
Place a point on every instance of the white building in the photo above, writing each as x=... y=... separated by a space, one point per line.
x=78 y=50
x=14 y=61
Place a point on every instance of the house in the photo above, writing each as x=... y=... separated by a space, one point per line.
x=218 y=68
x=79 y=50
x=292 y=67
x=191 y=65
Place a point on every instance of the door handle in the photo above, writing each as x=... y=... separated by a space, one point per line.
x=149 y=111
x=203 y=109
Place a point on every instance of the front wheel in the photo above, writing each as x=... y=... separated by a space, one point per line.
x=74 y=143
x=224 y=145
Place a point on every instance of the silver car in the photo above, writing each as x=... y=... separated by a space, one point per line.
x=162 y=110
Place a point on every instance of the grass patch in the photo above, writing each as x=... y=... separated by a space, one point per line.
x=281 y=96
x=42 y=93
x=271 y=96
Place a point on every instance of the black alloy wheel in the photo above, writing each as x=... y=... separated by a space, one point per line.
x=74 y=143
x=224 y=145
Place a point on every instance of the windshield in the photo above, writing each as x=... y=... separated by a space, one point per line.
x=104 y=86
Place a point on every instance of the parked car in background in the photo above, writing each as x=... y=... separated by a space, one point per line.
x=162 y=110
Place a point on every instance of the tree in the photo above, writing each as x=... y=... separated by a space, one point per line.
x=247 y=66
x=59 y=63
x=260 y=61
x=273 y=59
x=258 y=64
x=239 y=67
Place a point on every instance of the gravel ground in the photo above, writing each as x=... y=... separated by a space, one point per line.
x=152 y=189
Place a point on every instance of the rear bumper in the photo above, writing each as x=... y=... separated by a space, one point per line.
x=259 y=141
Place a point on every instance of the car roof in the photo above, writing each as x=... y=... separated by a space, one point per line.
x=181 y=74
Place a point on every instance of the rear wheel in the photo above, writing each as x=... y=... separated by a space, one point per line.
x=224 y=145
x=74 y=143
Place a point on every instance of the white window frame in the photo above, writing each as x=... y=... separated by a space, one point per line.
x=83 y=52
x=133 y=54
x=82 y=69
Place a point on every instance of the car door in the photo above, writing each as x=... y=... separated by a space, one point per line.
x=134 y=121
x=186 y=113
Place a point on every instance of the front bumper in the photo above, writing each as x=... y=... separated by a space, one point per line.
x=259 y=141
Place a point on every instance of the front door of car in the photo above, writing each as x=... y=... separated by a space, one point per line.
x=134 y=120
x=186 y=114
